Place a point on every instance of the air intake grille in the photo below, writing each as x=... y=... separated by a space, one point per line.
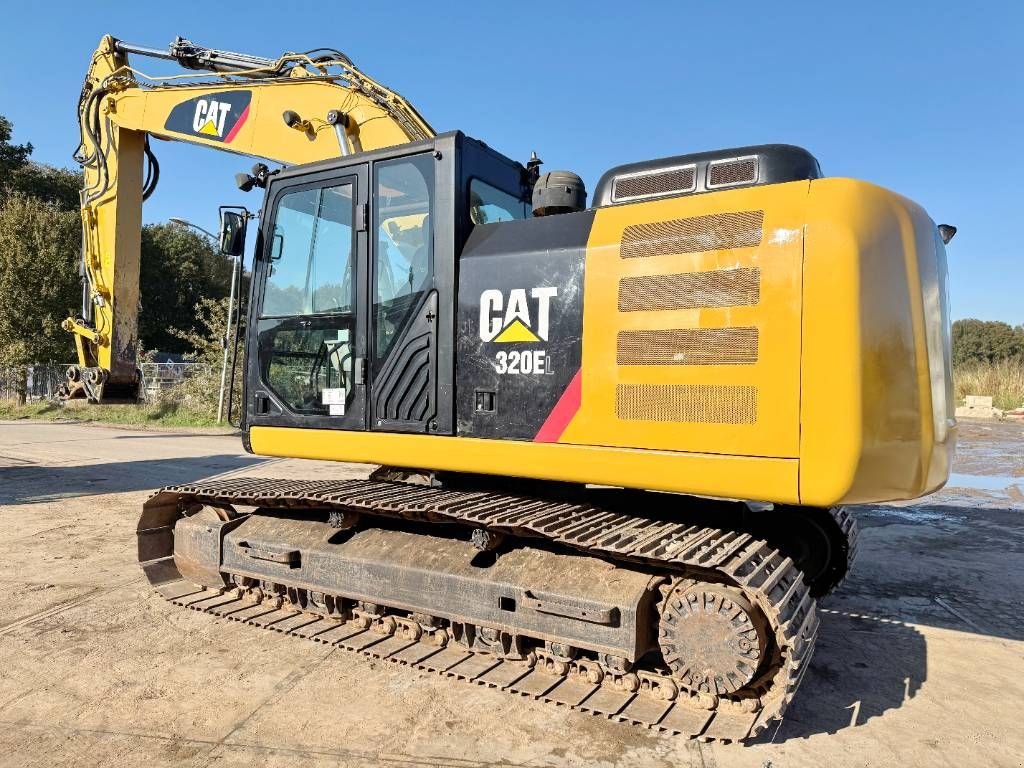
x=671 y=181
x=691 y=290
x=710 y=232
x=688 y=346
x=693 y=403
x=727 y=173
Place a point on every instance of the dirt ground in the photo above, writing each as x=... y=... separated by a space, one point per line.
x=920 y=659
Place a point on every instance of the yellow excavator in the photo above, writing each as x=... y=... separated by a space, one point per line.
x=617 y=444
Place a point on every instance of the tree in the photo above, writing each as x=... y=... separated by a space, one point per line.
x=39 y=280
x=19 y=174
x=12 y=156
x=39 y=284
x=178 y=269
x=43 y=182
x=982 y=341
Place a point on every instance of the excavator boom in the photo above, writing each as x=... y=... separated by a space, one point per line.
x=297 y=108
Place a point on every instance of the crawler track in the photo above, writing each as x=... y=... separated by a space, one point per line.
x=769 y=581
x=847 y=523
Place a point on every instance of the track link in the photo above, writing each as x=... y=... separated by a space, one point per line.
x=767 y=579
x=847 y=523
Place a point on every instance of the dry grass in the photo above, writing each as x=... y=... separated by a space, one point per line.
x=1004 y=381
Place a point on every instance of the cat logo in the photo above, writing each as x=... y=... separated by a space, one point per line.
x=210 y=116
x=521 y=319
x=215 y=116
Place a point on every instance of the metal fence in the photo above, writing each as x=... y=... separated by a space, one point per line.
x=44 y=379
x=160 y=376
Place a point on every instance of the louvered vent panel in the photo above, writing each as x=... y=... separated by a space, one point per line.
x=691 y=290
x=672 y=181
x=711 y=232
x=731 y=172
x=687 y=403
x=688 y=346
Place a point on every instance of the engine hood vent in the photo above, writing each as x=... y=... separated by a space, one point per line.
x=705 y=172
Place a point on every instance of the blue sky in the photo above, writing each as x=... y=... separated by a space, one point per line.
x=924 y=98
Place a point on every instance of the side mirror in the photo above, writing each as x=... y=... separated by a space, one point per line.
x=232 y=231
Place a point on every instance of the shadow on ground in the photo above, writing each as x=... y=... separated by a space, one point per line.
x=947 y=562
x=863 y=667
x=955 y=563
x=28 y=484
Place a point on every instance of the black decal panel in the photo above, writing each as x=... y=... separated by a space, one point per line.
x=215 y=116
x=520 y=323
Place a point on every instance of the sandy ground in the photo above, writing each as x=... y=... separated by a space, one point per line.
x=920 y=659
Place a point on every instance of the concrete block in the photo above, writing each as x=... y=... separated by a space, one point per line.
x=978 y=407
x=964 y=412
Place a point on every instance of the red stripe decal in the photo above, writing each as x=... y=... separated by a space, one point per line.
x=566 y=407
x=241 y=121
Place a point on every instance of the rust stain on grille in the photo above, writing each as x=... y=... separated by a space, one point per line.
x=711 y=232
x=687 y=403
x=691 y=290
x=688 y=346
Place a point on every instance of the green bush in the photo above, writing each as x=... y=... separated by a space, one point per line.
x=197 y=396
x=39 y=284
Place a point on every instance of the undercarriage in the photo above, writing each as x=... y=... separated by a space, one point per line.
x=661 y=610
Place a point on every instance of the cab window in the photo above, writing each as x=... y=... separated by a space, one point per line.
x=311 y=253
x=488 y=204
x=404 y=252
x=306 y=329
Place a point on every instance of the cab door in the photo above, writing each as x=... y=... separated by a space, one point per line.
x=406 y=292
x=309 y=320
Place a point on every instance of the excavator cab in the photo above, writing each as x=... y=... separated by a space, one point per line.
x=354 y=284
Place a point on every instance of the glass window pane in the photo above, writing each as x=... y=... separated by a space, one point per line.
x=403 y=256
x=331 y=281
x=310 y=365
x=489 y=204
x=292 y=238
x=311 y=254
x=306 y=342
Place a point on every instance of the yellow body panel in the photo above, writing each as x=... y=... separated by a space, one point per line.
x=874 y=302
x=655 y=470
x=776 y=316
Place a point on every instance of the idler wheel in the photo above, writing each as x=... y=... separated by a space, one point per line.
x=712 y=639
